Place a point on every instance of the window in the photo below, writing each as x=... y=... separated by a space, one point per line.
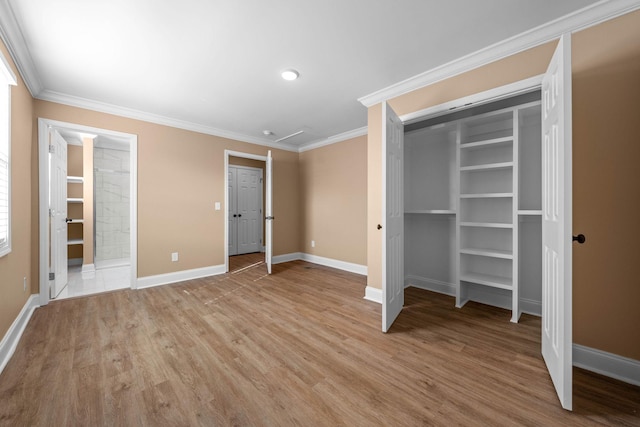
x=7 y=78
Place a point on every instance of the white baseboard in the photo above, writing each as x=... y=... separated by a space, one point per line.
x=88 y=268
x=279 y=259
x=334 y=263
x=373 y=294
x=530 y=306
x=72 y=262
x=607 y=364
x=12 y=337
x=430 y=285
x=329 y=262
x=179 y=276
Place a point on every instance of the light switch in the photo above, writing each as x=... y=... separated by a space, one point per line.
x=217 y=206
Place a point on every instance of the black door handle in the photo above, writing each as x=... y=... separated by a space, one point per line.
x=234 y=215
x=239 y=215
x=68 y=220
x=379 y=227
x=579 y=238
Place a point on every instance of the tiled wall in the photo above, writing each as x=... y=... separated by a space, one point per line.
x=111 y=204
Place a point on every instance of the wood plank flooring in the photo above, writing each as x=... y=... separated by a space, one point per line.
x=300 y=347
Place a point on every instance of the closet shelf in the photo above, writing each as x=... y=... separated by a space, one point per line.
x=486 y=142
x=76 y=221
x=486 y=224
x=486 y=195
x=75 y=200
x=492 y=253
x=487 y=280
x=75 y=179
x=489 y=166
x=530 y=212
x=431 y=211
x=74 y=242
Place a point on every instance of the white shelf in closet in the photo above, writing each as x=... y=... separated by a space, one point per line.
x=472 y=145
x=487 y=280
x=530 y=212
x=75 y=179
x=492 y=253
x=74 y=242
x=75 y=200
x=486 y=196
x=490 y=166
x=486 y=224
x=76 y=221
x=430 y=212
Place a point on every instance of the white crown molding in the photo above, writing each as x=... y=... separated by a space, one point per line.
x=17 y=46
x=583 y=18
x=333 y=139
x=131 y=113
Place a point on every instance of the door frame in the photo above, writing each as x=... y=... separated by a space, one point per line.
x=267 y=184
x=43 y=183
x=261 y=198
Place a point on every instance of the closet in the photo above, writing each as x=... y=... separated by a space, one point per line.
x=75 y=201
x=245 y=210
x=472 y=196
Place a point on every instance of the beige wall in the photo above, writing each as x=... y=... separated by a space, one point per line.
x=17 y=265
x=606 y=186
x=333 y=201
x=606 y=90
x=171 y=219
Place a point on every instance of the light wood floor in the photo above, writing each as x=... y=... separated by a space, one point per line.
x=300 y=347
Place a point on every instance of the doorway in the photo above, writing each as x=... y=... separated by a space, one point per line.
x=248 y=211
x=245 y=205
x=88 y=210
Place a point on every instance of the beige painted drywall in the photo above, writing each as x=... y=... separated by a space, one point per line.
x=606 y=186
x=333 y=201
x=180 y=177
x=17 y=265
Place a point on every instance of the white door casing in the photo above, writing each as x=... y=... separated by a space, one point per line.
x=249 y=210
x=58 y=209
x=557 y=221
x=269 y=213
x=392 y=217
x=232 y=202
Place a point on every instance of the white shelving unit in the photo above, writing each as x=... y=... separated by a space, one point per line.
x=75 y=200
x=473 y=208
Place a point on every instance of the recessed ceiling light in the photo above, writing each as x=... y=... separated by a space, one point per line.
x=267 y=132
x=290 y=74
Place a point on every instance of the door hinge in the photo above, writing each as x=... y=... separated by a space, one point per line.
x=260 y=180
x=52 y=148
x=52 y=276
x=50 y=212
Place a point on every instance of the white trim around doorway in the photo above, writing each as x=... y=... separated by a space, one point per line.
x=43 y=184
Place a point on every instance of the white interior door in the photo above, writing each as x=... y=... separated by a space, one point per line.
x=249 y=210
x=393 y=217
x=556 y=221
x=268 y=202
x=58 y=209
x=232 y=202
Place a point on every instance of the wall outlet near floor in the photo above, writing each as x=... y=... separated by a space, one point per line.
x=24 y=284
x=174 y=256
x=313 y=243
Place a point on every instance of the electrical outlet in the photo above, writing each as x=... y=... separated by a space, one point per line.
x=174 y=256
x=313 y=243
x=24 y=285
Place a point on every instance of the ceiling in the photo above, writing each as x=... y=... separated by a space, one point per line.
x=214 y=65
